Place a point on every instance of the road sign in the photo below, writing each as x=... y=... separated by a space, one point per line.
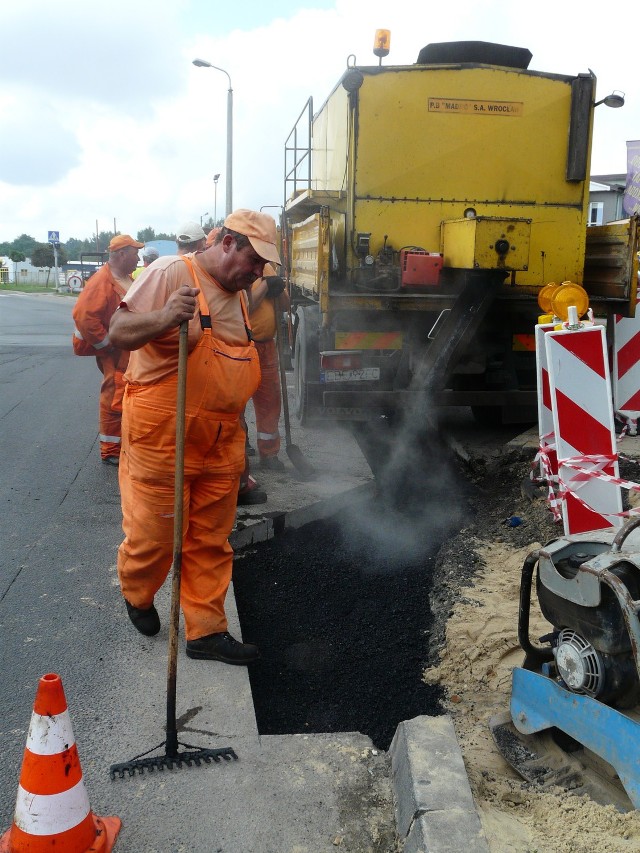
x=54 y=237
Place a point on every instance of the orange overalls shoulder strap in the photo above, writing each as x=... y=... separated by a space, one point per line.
x=204 y=308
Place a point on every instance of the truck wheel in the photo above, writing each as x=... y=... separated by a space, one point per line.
x=305 y=359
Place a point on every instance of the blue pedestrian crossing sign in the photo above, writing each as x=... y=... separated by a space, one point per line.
x=54 y=237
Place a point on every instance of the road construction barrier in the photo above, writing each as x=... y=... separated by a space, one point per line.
x=547 y=458
x=585 y=439
x=626 y=370
x=52 y=807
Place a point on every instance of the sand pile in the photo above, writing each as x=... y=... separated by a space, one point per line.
x=481 y=649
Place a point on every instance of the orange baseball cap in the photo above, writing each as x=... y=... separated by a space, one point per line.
x=261 y=230
x=121 y=241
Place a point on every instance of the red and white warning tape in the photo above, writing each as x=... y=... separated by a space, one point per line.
x=549 y=477
x=586 y=468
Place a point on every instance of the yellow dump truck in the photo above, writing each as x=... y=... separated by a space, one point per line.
x=426 y=205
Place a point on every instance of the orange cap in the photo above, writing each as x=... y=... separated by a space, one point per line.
x=261 y=230
x=121 y=241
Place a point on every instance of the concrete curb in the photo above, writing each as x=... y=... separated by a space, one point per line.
x=277 y=522
x=435 y=811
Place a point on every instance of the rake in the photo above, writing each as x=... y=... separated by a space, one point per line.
x=190 y=755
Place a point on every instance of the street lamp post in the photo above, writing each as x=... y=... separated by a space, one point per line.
x=215 y=199
x=202 y=217
x=202 y=63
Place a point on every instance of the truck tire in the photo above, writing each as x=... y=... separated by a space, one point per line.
x=305 y=360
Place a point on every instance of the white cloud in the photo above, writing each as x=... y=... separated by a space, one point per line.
x=108 y=119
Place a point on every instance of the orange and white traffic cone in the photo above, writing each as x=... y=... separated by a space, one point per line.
x=52 y=807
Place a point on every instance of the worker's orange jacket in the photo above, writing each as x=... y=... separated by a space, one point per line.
x=93 y=311
x=92 y=314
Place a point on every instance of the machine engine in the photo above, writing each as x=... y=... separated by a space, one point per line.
x=589 y=594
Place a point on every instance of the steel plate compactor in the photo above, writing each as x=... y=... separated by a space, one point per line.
x=579 y=686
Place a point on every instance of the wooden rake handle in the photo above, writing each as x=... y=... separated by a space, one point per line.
x=178 y=510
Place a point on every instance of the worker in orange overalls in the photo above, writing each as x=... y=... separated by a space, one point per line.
x=92 y=313
x=250 y=492
x=266 y=298
x=222 y=373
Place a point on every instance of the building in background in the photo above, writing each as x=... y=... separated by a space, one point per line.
x=606 y=194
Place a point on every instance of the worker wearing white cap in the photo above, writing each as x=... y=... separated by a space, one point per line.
x=190 y=238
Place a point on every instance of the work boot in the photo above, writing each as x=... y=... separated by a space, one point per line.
x=222 y=647
x=146 y=621
x=272 y=463
x=111 y=460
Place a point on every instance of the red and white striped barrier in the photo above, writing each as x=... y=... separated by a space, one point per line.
x=548 y=458
x=580 y=392
x=626 y=370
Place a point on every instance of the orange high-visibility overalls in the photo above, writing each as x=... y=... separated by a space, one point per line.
x=220 y=380
x=92 y=312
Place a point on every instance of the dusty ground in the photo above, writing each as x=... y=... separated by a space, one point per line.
x=480 y=648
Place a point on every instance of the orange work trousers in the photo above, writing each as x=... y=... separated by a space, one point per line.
x=213 y=462
x=112 y=366
x=267 y=400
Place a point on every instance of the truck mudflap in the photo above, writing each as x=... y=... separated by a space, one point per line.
x=611 y=265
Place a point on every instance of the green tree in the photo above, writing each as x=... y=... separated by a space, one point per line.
x=44 y=256
x=75 y=247
x=17 y=258
x=146 y=235
x=24 y=244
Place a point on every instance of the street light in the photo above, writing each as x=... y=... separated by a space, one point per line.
x=202 y=63
x=614 y=100
x=215 y=199
x=202 y=217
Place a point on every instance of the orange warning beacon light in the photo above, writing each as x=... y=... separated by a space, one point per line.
x=569 y=295
x=382 y=43
x=556 y=299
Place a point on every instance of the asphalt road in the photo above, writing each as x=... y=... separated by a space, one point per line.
x=59 y=526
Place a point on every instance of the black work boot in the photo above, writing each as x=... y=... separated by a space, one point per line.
x=146 y=621
x=272 y=463
x=222 y=647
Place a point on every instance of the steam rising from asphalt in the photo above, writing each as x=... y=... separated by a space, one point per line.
x=420 y=499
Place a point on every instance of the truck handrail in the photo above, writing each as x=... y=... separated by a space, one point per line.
x=301 y=152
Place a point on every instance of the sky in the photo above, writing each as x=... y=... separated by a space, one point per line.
x=106 y=120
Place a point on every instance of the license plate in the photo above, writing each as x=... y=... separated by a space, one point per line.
x=361 y=374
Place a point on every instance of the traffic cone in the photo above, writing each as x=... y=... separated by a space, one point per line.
x=52 y=807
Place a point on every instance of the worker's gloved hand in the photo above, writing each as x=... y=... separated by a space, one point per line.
x=275 y=285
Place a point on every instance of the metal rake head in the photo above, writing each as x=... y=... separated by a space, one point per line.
x=170 y=761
